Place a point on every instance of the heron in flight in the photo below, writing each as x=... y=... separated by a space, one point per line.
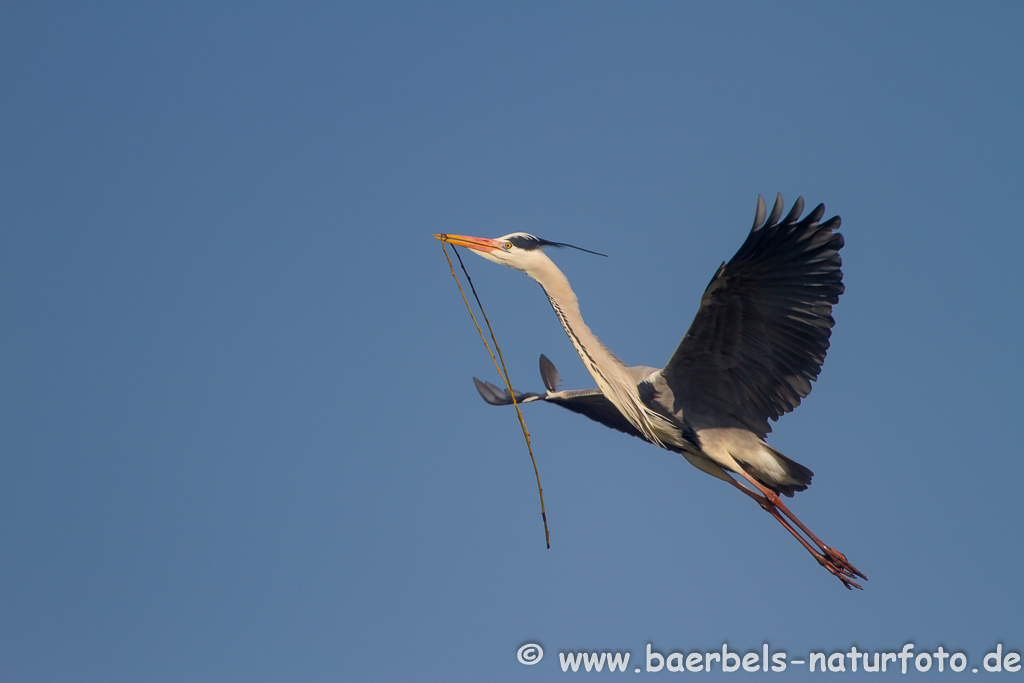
x=758 y=340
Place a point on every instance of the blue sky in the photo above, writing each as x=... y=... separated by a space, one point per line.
x=238 y=434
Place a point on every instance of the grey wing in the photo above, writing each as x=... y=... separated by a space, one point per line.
x=589 y=402
x=593 y=404
x=763 y=327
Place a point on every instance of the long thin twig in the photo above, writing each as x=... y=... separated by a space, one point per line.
x=502 y=371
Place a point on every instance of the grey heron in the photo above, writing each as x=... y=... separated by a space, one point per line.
x=758 y=340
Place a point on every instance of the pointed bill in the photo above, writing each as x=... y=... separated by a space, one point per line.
x=477 y=243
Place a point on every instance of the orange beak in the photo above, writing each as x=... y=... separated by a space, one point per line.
x=477 y=243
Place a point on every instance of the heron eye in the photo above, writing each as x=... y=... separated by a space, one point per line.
x=508 y=246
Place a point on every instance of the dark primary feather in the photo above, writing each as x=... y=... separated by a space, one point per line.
x=762 y=330
x=549 y=374
x=501 y=397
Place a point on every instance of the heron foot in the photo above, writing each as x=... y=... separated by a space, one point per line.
x=837 y=564
x=840 y=559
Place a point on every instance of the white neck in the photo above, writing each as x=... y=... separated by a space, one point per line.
x=609 y=372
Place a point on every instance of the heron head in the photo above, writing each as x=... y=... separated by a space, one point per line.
x=519 y=250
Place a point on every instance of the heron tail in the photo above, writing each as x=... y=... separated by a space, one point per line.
x=795 y=477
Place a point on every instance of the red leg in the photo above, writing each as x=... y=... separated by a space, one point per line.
x=829 y=558
x=770 y=509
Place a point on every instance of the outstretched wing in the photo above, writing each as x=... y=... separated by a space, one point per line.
x=762 y=330
x=589 y=402
x=593 y=404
